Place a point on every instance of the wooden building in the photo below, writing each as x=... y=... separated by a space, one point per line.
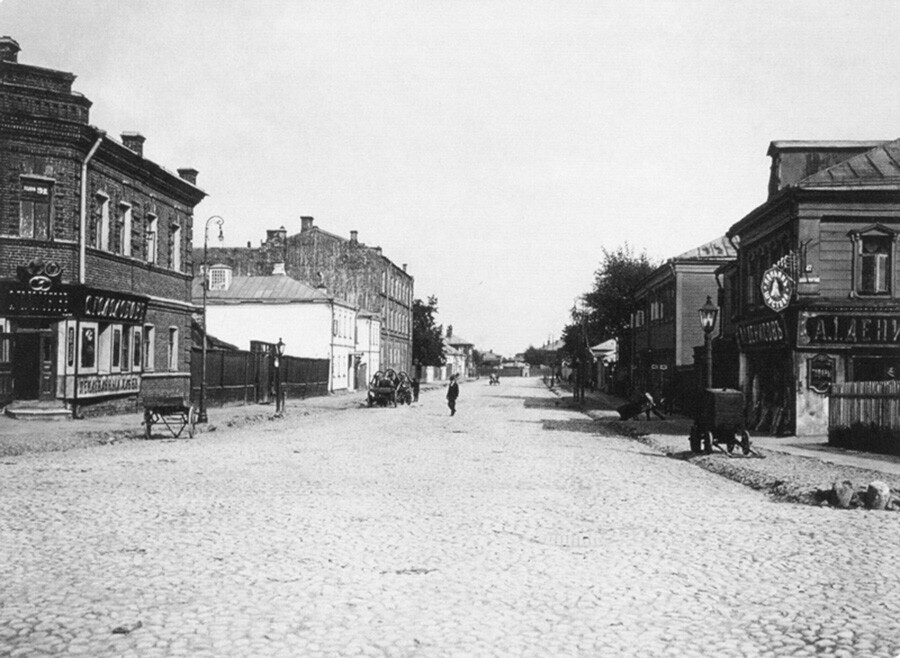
x=815 y=296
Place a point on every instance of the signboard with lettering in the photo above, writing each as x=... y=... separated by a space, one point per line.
x=24 y=299
x=846 y=329
x=113 y=384
x=777 y=289
x=820 y=373
x=765 y=332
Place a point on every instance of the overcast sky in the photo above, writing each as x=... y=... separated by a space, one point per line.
x=496 y=147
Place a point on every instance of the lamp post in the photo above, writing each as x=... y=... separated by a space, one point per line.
x=279 y=401
x=202 y=417
x=708 y=313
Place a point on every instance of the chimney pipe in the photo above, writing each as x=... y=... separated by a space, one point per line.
x=306 y=223
x=9 y=49
x=404 y=267
x=135 y=142
x=354 y=235
x=189 y=174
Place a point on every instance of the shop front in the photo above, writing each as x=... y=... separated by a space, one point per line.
x=767 y=374
x=68 y=342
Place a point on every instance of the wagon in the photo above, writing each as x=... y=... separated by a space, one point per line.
x=720 y=421
x=166 y=399
x=383 y=389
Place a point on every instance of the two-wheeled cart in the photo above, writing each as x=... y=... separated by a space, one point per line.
x=166 y=399
x=719 y=422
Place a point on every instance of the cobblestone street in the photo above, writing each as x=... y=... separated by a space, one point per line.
x=511 y=529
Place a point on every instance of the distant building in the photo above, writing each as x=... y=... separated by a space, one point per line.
x=348 y=269
x=312 y=323
x=95 y=252
x=658 y=350
x=465 y=347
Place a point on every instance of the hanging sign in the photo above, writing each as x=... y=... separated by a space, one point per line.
x=820 y=373
x=777 y=289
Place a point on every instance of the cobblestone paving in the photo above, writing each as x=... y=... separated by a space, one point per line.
x=511 y=529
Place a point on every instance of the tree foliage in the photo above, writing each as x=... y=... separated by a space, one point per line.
x=607 y=307
x=537 y=357
x=427 y=338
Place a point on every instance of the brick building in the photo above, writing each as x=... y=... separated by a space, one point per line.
x=348 y=268
x=95 y=251
x=815 y=296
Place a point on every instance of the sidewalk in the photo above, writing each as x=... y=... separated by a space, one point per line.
x=791 y=468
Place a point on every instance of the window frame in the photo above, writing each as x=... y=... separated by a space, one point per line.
x=33 y=197
x=858 y=239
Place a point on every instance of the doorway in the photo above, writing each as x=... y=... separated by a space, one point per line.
x=34 y=365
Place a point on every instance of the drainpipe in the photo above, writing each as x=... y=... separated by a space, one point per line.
x=82 y=224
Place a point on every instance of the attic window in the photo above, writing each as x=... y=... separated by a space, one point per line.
x=219 y=277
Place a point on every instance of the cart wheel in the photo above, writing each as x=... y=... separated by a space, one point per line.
x=745 y=442
x=707 y=442
x=695 y=439
x=148 y=422
x=192 y=421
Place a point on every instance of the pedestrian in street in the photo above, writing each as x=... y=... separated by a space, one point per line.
x=452 y=394
x=415 y=389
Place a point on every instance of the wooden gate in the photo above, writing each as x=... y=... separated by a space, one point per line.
x=875 y=403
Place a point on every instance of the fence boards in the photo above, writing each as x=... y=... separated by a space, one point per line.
x=249 y=377
x=864 y=402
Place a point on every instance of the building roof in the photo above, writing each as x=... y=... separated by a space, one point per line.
x=275 y=288
x=720 y=248
x=458 y=340
x=821 y=144
x=878 y=168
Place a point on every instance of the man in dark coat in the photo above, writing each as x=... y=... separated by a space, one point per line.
x=452 y=394
x=415 y=389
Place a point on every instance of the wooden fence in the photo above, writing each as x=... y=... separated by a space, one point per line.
x=236 y=376
x=864 y=402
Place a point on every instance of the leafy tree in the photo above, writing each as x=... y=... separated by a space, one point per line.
x=427 y=338
x=476 y=358
x=537 y=357
x=607 y=308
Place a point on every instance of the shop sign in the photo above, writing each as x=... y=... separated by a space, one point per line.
x=98 y=305
x=767 y=332
x=777 y=289
x=833 y=329
x=820 y=373
x=114 y=384
x=18 y=300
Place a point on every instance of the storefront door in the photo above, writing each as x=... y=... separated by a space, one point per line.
x=6 y=369
x=34 y=365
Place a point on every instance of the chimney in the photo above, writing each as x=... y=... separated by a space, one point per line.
x=354 y=237
x=404 y=267
x=134 y=142
x=249 y=246
x=9 y=49
x=449 y=331
x=278 y=269
x=188 y=174
x=306 y=223
x=378 y=250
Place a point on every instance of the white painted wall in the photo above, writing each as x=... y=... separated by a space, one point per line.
x=305 y=328
x=368 y=343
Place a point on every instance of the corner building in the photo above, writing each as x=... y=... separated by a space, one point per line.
x=95 y=250
x=815 y=295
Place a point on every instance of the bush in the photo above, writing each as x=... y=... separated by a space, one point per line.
x=866 y=437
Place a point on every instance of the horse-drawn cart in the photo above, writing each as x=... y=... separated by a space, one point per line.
x=166 y=399
x=383 y=389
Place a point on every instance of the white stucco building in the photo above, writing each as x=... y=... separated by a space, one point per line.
x=311 y=323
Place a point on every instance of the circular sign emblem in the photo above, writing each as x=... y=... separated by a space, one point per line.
x=777 y=289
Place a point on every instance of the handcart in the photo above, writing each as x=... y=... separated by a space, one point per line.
x=720 y=421
x=166 y=399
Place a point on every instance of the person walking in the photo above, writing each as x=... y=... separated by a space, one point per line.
x=415 y=389
x=452 y=394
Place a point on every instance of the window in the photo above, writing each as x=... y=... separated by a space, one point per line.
x=101 y=233
x=88 y=347
x=148 y=346
x=70 y=347
x=873 y=254
x=137 y=343
x=126 y=349
x=219 y=278
x=150 y=239
x=175 y=247
x=125 y=229
x=104 y=347
x=117 y=349
x=34 y=209
x=874 y=260
x=173 y=349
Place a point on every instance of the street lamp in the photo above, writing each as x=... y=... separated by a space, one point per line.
x=202 y=417
x=708 y=313
x=279 y=401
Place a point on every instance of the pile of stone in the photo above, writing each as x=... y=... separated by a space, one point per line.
x=844 y=495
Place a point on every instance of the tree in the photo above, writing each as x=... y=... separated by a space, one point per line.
x=537 y=357
x=607 y=308
x=427 y=339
